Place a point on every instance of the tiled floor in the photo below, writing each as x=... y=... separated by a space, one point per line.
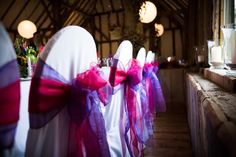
x=171 y=134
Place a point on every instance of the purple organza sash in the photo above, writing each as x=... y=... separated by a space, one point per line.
x=153 y=88
x=136 y=123
x=50 y=92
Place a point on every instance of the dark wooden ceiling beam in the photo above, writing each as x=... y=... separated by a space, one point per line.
x=181 y=4
x=102 y=5
x=41 y=15
x=122 y=4
x=171 y=13
x=34 y=9
x=11 y=30
x=74 y=8
x=43 y=21
x=58 y=19
x=19 y=13
x=45 y=29
x=47 y=10
x=85 y=5
x=7 y=10
x=112 y=6
x=72 y=21
x=108 y=12
x=90 y=9
x=88 y=18
x=102 y=34
x=68 y=13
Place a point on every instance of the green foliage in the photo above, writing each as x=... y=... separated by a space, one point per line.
x=23 y=50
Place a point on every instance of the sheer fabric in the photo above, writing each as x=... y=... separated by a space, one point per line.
x=64 y=120
x=153 y=88
x=114 y=113
x=9 y=91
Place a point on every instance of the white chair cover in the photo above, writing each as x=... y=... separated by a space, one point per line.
x=153 y=56
x=7 y=55
x=150 y=57
x=114 y=113
x=70 y=51
x=7 y=50
x=141 y=57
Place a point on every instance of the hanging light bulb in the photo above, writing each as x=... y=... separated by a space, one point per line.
x=26 y=29
x=159 y=29
x=147 y=12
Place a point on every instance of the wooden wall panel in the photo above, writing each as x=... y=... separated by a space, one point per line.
x=166 y=47
x=178 y=45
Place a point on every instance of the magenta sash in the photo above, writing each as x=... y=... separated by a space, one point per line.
x=10 y=103
x=50 y=92
x=132 y=79
x=153 y=88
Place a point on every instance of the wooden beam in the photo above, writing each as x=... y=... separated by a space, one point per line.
x=100 y=26
x=11 y=30
x=58 y=21
x=88 y=18
x=34 y=9
x=73 y=8
x=108 y=12
x=45 y=29
x=90 y=8
x=44 y=19
x=117 y=19
x=122 y=4
x=171 y=13
x=41 y=14
x=73 y=19
x=102 y=5
x=112 y=6
x=181 y=4
x=7 y=10
x=19 y=13
x=102 y=34
x=177 y=20
x=109 y=36
x=173 y=40
x=47 y=10
x=108 y=41
x=85 y=5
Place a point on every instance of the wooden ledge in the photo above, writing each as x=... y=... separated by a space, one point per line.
x=219 y=77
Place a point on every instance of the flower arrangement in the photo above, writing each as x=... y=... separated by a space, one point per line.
x=26 y=52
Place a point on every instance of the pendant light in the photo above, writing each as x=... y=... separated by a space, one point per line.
x=26 y=29
x=159 y=29
x=147 y=12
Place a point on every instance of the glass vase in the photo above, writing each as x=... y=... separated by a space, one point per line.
x=229 y=47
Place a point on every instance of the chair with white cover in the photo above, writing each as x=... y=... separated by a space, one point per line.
x=150 y=57
x=153 y=87
x=64 y=80
x=9 y=92
x=114 y=113
x=141 y=56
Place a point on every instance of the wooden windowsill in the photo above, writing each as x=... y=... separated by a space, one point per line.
x=220 y=77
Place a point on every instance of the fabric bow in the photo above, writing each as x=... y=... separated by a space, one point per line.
x=10 y=103
x=132 y=79
x=50 y=92
x=153 y=88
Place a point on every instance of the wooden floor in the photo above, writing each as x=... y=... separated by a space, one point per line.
x=171 y=134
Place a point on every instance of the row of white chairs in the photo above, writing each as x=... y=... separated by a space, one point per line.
x=66 y=124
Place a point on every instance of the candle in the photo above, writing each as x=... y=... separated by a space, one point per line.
x=216 y=54
x=233 y=47
x=200 y=58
